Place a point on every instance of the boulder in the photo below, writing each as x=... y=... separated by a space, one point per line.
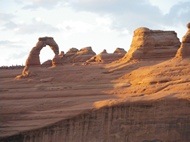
x=47 y=63
x=152 y=44
x=184 y=50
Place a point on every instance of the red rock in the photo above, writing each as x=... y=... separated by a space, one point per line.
x=33 y=58
x=47 y=63
x=76 y=56
x=184 y=50
x=153 y=44
x=105 y=57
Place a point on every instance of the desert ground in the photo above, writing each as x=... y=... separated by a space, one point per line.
x=63 y=93
x=141 y=97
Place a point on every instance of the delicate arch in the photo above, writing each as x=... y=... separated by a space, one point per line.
x=33 y=58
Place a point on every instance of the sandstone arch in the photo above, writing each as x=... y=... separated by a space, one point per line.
x=34 y=58
x=152 y=44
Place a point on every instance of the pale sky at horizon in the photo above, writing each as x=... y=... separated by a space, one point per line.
x=101 y=24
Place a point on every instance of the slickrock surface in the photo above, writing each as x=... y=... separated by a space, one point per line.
x=184 y=50
x=123 y=101
x=137 y=101
x=153 y=44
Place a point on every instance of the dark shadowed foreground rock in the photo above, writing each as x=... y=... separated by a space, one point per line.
x=153 y=44
x=155 y=121
x=184 y=50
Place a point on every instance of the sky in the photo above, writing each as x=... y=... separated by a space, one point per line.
x=101 y=24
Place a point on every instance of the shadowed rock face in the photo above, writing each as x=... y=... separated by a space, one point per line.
x=184 y=50
x=153 y=44
x=156 y=121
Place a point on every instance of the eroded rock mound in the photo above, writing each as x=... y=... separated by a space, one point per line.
x=153 y=44
x=105 y=57
x=71 y=52
x=120 y=51
x=76 y=56
x=47 y=63
x=184 y=50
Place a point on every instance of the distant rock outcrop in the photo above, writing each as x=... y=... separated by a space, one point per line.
x=120 y=51
x=184 y=50
x=71 y=52
x=75 y=56
x=105 y=57
x=153 y=44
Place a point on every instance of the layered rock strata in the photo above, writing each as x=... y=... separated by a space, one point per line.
x=153 y=44
x=155 y=121
x=184 y=50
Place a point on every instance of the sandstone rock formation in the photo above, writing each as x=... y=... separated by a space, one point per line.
x=153 y=44
x=123 y=122
x=76 y=56
x=105 y=57
x=71 y=51
x=143 y=101
x=47 y=63
x=33 y=59
x=120 y=51
x=104 y=52
x=82 y=104
x=184 y=50
x=56 y=61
